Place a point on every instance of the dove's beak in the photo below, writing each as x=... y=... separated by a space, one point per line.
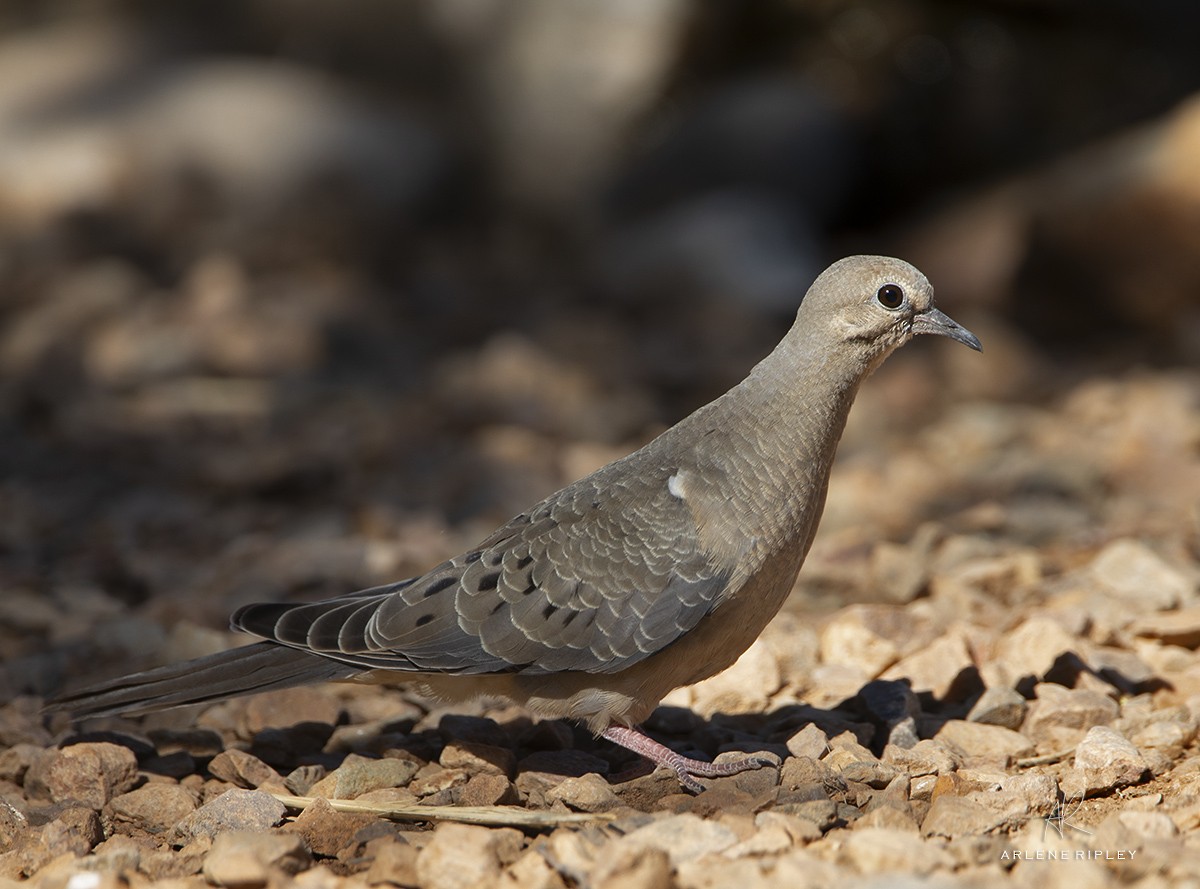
x=935 y=321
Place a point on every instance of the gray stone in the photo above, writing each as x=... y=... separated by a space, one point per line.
x=587 y=793
x=155 y=808
x=1180 y=627
x=232 y=810
x=358 y=775
x=1104 y=760
x=682 y=837
x=464 y=856
x=248 y=859
x=242 y=769
x=478 y=758
x=1136 y=574
x=810 y=741
x=976 y=739
x=872 y=773
x=928 y=757
x=1059 y=716
x=999 y=705
x=954 y=816
x=91 y=773
x=875 y=850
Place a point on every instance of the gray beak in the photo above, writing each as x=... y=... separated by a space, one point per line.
x=935 y=321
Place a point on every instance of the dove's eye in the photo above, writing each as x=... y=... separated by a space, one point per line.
x=890 y=296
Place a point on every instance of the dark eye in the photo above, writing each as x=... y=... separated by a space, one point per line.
x=890 y=296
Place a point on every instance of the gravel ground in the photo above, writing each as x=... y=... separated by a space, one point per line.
x=1012 y=692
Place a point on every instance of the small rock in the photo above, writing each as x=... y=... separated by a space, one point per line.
x=1059 y=716
x=1132 y=571
x=302 y=778
x=633 y=867
x=810 y=741
x=801 y=771
x=530 y=871
x=682 y=837
x=437 y=781
x=900 y=572
x=801 y=830
x=868 y=637
x=358 y=775
x=872 y=773
x=875 y=850
x=15 y=762
x=821 y=812
x=745 y=687
x=1038 y=792
x=245 y=810
x=935 y=667
x=241 y=769
x=999 y=705
x=1153 y=833
x=1172 y=627
x=921 y=787
x=1029 y=650
x=477 y=758
x=978 y=740
x=247 y=859
x=394 y=861
x=1104 y=760
x=888 y=817
x=955 y=816
x=487 y=790
x=155 y=808
x=892 y=703
x=91 y=773
x=283 y=709
x=464 y=856
x=325 y=830
x=587 y=793
x=928 y=757
x=1169 y=735
x=13 y=824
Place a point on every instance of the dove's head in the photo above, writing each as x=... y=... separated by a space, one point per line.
x=870 y=305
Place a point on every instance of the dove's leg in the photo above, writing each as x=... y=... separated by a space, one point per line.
x=685 y=768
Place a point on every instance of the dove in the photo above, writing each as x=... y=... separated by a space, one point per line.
x=654 y=572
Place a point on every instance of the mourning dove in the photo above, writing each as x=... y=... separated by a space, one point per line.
x=651 y=573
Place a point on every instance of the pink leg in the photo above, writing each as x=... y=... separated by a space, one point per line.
x=684 y=768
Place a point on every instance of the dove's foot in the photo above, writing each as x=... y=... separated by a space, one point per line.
x=685 y=768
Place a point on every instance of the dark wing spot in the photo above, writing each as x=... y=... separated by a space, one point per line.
x=424 y=619
x=524 y=561
x=472 y=557
x=489 y=581
x=438 y=585
x=570 y=617
x=549 y=610
x=494 y=557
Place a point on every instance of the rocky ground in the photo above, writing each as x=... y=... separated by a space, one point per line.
x=1016 y=681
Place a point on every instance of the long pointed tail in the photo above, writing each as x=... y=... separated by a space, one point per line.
x=239 y=671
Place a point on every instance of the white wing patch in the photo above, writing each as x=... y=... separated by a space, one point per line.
x=675 y=486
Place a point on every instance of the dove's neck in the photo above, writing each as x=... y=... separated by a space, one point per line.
x=793 y=409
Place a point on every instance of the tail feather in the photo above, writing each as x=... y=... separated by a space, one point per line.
x=250 y=669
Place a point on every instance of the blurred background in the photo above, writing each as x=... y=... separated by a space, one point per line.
x=298 y=297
